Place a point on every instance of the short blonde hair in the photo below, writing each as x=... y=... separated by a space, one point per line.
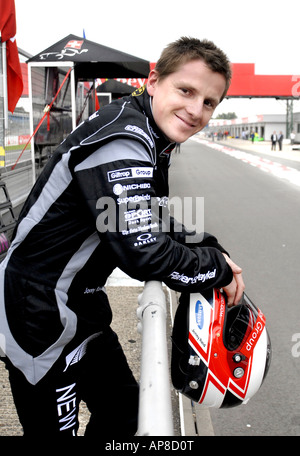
x=186 y=49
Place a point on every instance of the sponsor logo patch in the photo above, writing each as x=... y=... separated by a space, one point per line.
x=199 y=314
x=198 y=278
x=141 y=132
x=118 y=189
x=126 y=173
x=143 y=239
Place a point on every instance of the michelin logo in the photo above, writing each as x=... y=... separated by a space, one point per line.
x=127 y=173
x=198 y=278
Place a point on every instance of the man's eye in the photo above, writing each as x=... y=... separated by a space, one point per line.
x=185 y=91
x=209 y=103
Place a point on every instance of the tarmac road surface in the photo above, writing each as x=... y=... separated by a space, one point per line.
x=256 y=216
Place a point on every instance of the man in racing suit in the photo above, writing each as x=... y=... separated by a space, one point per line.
x=98 y=206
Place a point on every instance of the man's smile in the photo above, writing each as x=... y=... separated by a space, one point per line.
x=189 y=124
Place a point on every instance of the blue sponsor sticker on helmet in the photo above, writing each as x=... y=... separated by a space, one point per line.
x=199 y=314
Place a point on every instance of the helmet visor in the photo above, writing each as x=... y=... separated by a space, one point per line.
x=240 y=321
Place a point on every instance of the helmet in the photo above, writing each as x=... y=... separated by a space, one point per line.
x=220 y=355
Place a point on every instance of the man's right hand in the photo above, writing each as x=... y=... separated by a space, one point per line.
x=235 y=289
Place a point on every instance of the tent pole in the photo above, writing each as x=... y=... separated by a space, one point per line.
x=73 y=98
x=31 y=123
x=4 y=76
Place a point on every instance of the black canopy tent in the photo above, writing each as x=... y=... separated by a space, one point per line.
x=116 y=88
x=88 y=61
x=112 y=90
x=92 y=60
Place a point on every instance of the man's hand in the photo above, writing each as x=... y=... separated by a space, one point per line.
x=235 y=289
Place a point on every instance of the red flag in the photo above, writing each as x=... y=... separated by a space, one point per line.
x=8 y=29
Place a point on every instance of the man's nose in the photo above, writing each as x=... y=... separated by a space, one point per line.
x=195 y=109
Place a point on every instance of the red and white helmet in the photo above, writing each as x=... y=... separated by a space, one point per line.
x=220 y=355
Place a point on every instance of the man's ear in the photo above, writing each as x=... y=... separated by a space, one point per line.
x=152 y=81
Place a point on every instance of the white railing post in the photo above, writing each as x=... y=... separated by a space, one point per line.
x=155 y=407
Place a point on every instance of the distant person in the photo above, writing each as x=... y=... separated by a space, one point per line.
x=292 y=137
x=273 y=141
x=279 y=140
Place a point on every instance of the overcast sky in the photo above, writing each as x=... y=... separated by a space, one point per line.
x=262 y=32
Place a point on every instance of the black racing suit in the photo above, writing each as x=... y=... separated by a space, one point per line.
x=99 y=204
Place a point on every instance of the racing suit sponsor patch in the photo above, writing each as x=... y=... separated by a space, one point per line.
x=141 y=132
x=198 y=278
x=143 y=239
x=126 y=173
x=118 y=189
x=133 y=199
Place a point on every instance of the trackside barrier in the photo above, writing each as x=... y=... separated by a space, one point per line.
x=155 y=407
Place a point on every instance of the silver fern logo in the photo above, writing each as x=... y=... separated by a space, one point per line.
x=77 y=354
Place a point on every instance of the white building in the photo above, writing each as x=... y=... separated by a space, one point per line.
x=263 y=125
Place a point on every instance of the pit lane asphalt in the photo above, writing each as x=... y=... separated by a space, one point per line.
x=288 y=156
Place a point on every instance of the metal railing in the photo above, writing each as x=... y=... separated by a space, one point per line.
x=155 y=407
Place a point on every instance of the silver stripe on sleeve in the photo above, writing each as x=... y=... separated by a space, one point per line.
x=118 y=149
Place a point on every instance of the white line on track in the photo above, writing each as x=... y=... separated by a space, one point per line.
x=276 y=169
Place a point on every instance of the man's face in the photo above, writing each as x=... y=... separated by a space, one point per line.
x=184 y=101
